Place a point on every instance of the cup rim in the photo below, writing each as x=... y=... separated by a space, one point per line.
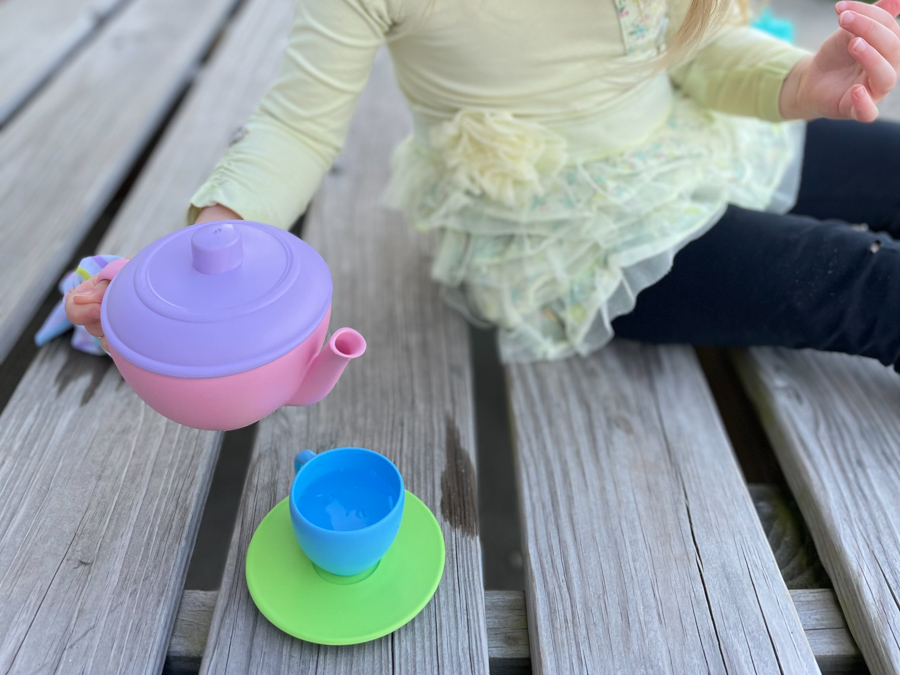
x=397 y=504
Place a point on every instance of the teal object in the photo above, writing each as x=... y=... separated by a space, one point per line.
x=769 y=22
x=346 y=507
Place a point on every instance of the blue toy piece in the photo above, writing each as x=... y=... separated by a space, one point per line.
x=346 y=508
x=57 y=323
x=772 y=24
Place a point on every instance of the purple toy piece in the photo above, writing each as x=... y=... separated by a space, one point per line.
x=217 y=249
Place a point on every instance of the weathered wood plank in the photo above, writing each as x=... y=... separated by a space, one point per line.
x=817 y=609
x=102 y=496
x=507 y=630
x=644 y=553
x=36 y=37
x=190 y=632
x=101 y=502
x=224 y=94
x=834 y=421
x=827 y=632
x=834 y=426
x=63 y=157
x=409 y=397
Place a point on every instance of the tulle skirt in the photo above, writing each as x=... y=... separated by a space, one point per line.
x=549 y=245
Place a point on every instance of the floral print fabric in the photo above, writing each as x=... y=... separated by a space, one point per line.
x=643 y=24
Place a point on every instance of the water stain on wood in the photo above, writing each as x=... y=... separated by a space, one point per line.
x=458 y=490
x=79 y=365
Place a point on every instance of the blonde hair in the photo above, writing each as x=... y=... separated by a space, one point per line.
x=699 y=22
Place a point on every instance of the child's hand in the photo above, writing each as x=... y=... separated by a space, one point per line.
x=853 y=70
x=83 y=307
x=83 y=302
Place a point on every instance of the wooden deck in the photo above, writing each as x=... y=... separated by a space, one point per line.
x=644 y=547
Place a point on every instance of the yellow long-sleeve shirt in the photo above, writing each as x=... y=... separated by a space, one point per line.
x=548 y=62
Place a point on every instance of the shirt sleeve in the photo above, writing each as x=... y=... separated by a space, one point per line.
x=279 y=158
x=738 y=69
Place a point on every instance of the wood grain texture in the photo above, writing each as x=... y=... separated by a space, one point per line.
x=409 y=397
x=818 y=610
x=834 y=426
x=101 y=502
x=827 y=632
x=102 y=496
x=507 y=630
x=36 y=37
x=190 y=632
x=507 y=623
x=63 y=158
x=644 y=553
x=788 y=537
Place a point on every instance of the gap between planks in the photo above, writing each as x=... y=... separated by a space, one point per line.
x=507 y=631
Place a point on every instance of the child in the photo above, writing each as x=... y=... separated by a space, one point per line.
x=600 y=167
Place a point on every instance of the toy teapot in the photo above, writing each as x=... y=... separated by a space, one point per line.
x=219 y=324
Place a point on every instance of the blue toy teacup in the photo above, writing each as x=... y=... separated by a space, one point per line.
x=346 y=508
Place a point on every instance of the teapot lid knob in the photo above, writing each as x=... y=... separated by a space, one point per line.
x=216 y=248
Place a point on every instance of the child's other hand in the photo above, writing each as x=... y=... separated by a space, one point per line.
x=853 y=70
x=83 y=307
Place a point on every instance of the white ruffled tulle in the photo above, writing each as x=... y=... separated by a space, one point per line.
x=494 y=154
x=551 y=251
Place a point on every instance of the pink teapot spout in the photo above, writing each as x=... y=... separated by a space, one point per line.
x=328 y=365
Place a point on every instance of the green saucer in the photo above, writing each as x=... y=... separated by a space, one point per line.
x=297 y=598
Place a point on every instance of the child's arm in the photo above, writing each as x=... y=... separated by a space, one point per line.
x=737 y=69
x=745 y=72
x=270 y=173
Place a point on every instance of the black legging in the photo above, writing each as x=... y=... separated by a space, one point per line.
x=806 y=279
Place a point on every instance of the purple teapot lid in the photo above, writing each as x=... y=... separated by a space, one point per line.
x=216 y=299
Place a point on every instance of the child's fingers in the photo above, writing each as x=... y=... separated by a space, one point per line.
x=863 y=108
x=82 y=314
x=892 y=7
x=95 y=328
x=879 y=36
x=882 y=76
x=89 y=291
x=83 y=302
x=876 y=12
